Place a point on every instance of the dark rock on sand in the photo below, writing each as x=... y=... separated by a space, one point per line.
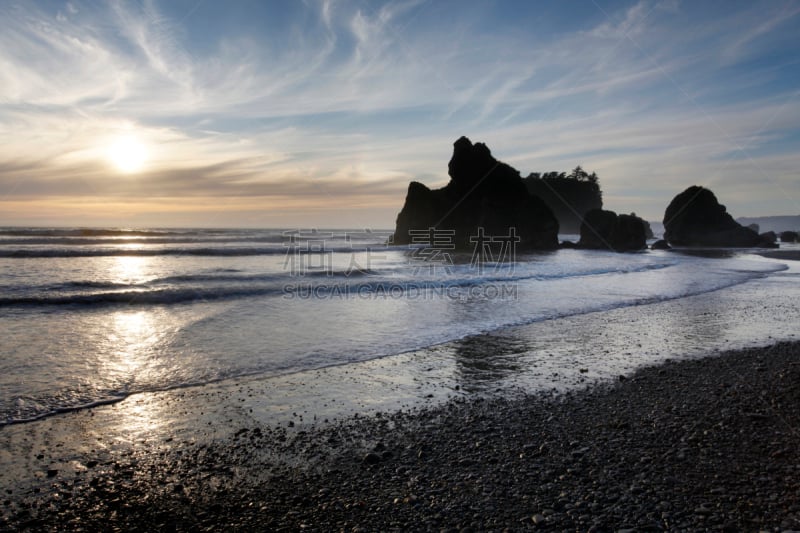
x=371 y=459
x=648 y=231
x=696 y=218
x=597 y=229
x=605 y=230
x=768 y=239
x=789 y=236
x=482 y=193
x=660 y=244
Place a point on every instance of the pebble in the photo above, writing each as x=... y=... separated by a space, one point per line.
x=641 y=454
x=371 y=459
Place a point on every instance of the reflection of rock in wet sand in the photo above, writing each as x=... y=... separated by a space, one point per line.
x=484 y=360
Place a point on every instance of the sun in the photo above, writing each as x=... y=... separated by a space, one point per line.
x=128 y=154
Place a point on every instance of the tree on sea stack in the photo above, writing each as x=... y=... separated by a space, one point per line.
x=483 y=195
x=569 y=196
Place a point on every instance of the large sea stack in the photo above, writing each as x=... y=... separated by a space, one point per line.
x=696 y=218
x=483 y=193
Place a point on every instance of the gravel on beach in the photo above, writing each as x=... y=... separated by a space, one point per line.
x=710 y=444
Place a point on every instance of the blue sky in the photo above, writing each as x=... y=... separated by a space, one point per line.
x=319 y=113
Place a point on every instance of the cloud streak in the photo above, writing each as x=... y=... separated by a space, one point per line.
x=342 y=101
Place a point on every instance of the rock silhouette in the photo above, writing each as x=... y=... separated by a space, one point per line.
x=776 y=223
x=696 y=218
x=569 y=196
x=768 y=238
x=605 y=230
x=788 y=236
x=483 y=194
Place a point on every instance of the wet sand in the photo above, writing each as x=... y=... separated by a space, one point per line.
x=791 y=254
x=529 y=427
x=707 y=444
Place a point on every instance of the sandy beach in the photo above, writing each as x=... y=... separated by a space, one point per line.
x=399 y=266
x=707 y=444
x=675 y=415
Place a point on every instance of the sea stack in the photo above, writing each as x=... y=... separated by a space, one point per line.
x=696 y=218
x=569 y=196
x=483 y=196
x=605 y=230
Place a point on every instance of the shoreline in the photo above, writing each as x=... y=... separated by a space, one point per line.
x=695 y=444
x=705 y=335
x=542 y=355
x=791 y=254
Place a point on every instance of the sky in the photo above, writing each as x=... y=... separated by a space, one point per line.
x=318 y=113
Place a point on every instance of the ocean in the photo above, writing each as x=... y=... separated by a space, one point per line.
x=92 y=316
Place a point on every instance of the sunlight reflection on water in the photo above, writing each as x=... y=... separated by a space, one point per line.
x=134 y=335
x=143 y=418
x=127 y=268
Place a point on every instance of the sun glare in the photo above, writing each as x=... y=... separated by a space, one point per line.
x=128 y=154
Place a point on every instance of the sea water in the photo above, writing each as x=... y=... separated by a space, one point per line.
x=90 y=316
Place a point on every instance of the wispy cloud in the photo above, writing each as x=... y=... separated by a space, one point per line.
x=345 y=102
x=759 y=25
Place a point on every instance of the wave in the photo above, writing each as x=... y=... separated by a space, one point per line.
x=41 y=413
x=87 y=232
x=44 y=408
x=222 y=284
x=223 y=251
x=93 y=236
x=88 y=284
x=289 y=286
x=375 y=285
x=138 y=297
x=139 y=252
x=97 y=241
x=228 y=276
